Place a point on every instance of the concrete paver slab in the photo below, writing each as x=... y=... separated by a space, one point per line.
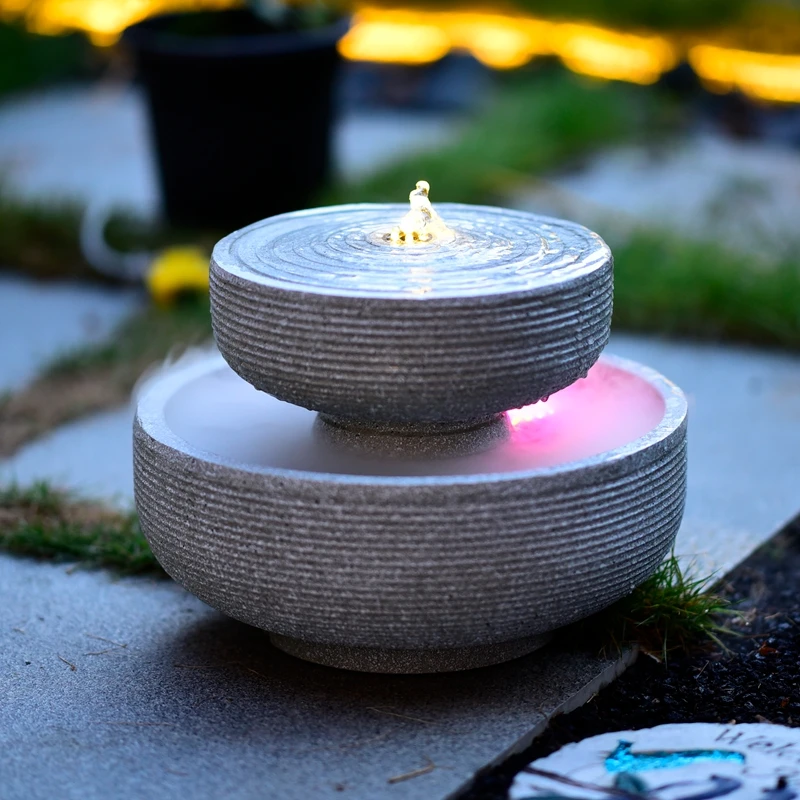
x=93 y=456
x=745 y=194
x=81 y=142
x=197 y=705
x=744 y=440
x=39 y=321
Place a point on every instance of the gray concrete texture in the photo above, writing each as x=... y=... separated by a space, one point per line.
x=744 y=193
x=436 y=332
x=40 y=321
x=453 y=571
x=176 y=700
x=744 y=436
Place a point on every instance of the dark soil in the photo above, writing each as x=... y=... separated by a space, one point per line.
x=756 y=678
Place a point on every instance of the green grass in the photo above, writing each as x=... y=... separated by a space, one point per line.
x=28 y=60
x=655 y=14
x=669 y=611
x=40 y=496
x=675 y=286
x=45 y=523
x=42 y=237
x=145 y=338
x=537 y=123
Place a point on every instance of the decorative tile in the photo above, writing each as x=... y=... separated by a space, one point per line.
x=695 y=761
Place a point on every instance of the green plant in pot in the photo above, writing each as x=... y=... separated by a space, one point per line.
x=241 y=106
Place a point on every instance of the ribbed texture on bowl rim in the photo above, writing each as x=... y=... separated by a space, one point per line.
x=500 y=329
x=400 y=360
x=445 y=561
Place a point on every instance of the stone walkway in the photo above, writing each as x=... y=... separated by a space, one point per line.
x=189 y=703
x=704 y=185
x=746 y=194
x=39 y=321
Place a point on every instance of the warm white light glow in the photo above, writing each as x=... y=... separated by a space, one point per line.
x=504 y=42
x=763 y=75
x=102 y=20
x=607 y=54
x=500 y=42
x=398 y=37
x=421 y=223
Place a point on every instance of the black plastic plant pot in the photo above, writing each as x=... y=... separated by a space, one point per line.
x=240 y=115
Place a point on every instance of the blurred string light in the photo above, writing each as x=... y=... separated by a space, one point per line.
x=764 y=76
x=608 y=54
x=102 y=20
x=500 y=41
x=505 y=42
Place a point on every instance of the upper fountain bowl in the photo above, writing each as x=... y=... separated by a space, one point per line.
x=326 y=310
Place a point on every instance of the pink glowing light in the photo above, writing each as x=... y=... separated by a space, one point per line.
x=519 y=416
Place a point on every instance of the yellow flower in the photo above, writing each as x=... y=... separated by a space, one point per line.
x=177 y=271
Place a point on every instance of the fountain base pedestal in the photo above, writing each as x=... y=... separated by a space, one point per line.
x=407 y=662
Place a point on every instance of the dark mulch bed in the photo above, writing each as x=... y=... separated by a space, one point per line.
x=756 y=680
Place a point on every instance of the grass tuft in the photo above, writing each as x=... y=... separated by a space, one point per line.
x=668 y=612
x=47 y=523
x=41 y=237
x=40 y=497
x=29 y=60
x=655 y=14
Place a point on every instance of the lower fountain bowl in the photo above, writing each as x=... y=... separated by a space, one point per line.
x=392 y=566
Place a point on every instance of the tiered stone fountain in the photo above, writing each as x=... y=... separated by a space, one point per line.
x=410 y=456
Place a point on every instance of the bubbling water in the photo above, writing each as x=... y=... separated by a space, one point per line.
x=219 y=413
x=348 y=251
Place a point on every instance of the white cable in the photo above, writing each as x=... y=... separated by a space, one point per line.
x=127 y=267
